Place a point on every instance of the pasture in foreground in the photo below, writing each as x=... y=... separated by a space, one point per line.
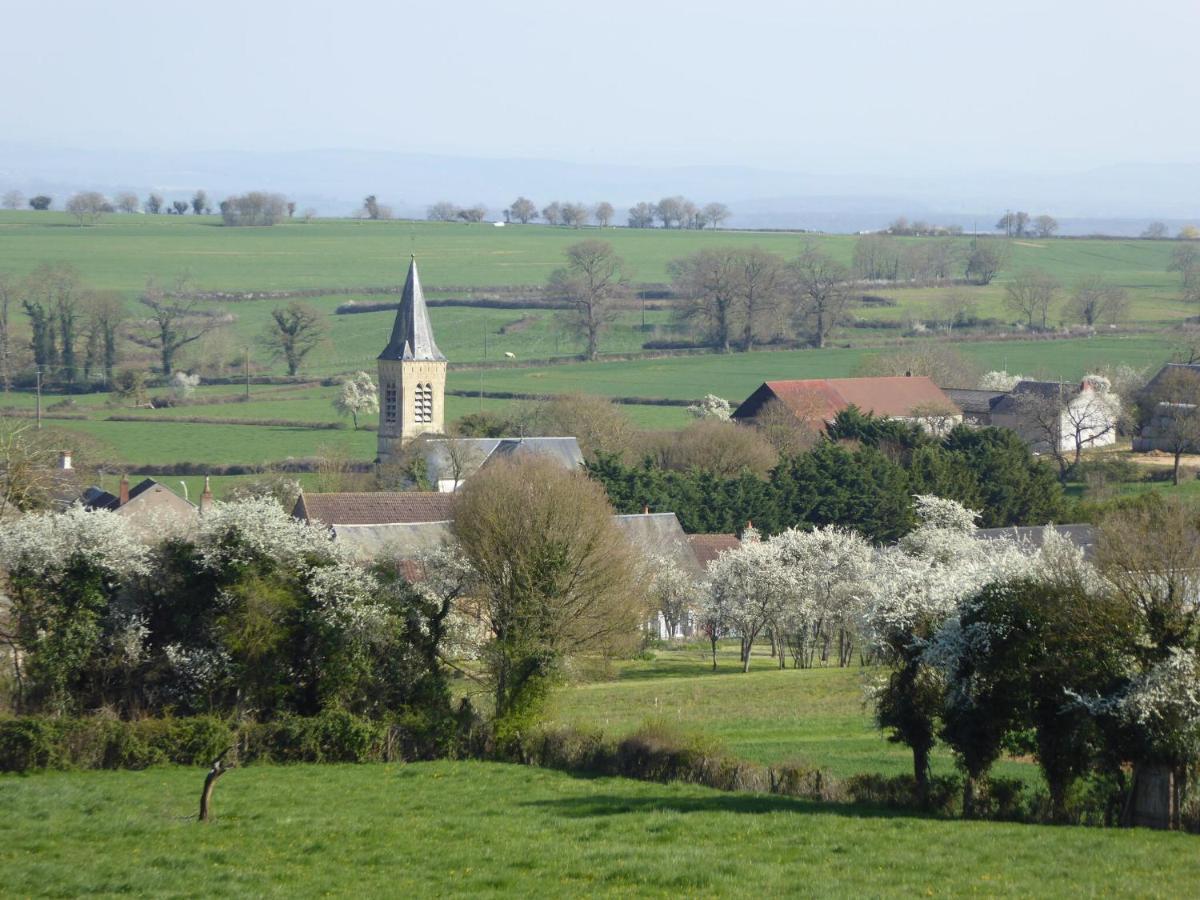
x=464 y=828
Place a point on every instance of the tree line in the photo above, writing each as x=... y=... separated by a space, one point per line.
x=670 y=212
x=251 y=208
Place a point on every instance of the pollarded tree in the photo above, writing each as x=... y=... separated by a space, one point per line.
x=592 y=282
x=556 y=578
x=358 y=396
x=293 y=332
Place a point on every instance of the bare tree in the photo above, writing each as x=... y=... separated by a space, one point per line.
x=293 y=332
x=944 y=255
x=154 y=204
x=670 y=211
x=180 y=206
x=442 y=211
x=876 y=257
x=760 y=286
x=603 y=213
x=1173 y=414
x=256 y=208
x=87 y=207
x=1186 y=261
x=789 y=432
x=1095 y=300
x=820 y=291
x=1155 y=231
x=172 y=323
x=371 y=207
x=1068 y=420
x=709 y=283
x=8 y=294
x=599 y=425
x=957 y=309
x=714 y=214
x=199 y=203
x=30 y=478
x=1045 y=226
x=689 y=214
x=983 y=262
x=126 y=202
x=476 y=213
x=13 y=199
x=722 y=448
x=943 y=364
x=1014 y=224
x=552 y=213
x=574 y=215
x=105 y=315
x=642 y=215
x=1030 y=295
x=592 y=281
x=523 y=210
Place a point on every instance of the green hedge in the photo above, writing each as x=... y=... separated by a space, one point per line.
x=36 y=743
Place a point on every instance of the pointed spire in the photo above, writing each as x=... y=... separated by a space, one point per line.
x=412 y=335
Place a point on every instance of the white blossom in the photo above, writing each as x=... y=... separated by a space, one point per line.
x=711 y=407
x=44 y=543
x=259 y=528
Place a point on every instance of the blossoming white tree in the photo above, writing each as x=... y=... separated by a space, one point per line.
x=358 y=396
x=710 y=406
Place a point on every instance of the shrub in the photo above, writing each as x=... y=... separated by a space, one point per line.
x=28 y=744
x=900 y=792
x=806 y=781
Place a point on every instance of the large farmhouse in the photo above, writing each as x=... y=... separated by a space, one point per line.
x=816 y=401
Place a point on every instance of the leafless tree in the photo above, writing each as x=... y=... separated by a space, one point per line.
x=523 y=210
x=574 y=215
x=8 y=295
x=670 y=211
x=1067 y=422
x=154 y=204
x=689 y=215
x=1045 y=226
x=552 y=213
x=943 y=364
x=1186 y=261
x=442 y=211
x=642 y=215
x=1014 y=224
x=30 y=478
x=180 y=206
x=256 y=208
x=1096 y=300
x=1030 y=295
x=788 y=432
x=1155 y=231
x=1173 y=414
x=983 y=262
x=199 y=203
x=820 y=291
x=709 y=282
x=13 y=199
x=599 y=425
x=87 y=207
x=603 y=213
x=876 y=257
x=956 y=309
x=714 y=214
x=105 y=315
x=592 y=281
x=722 y=448
x=943 y=257
x=171 y=323
x=761 y=284
x=293 y=332
x=126 y=202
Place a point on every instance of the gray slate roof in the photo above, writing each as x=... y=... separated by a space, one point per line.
x=398 y=540
x=660 y=534
x=412 y=333
x=374 y=507
x=1050 y=390
x=974 y=401
x=467 y=455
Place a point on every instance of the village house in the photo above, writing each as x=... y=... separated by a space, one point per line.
x=1078 y=415
x=449 y=462
x=817 y=401
x=1170 y=400
x=152 y=509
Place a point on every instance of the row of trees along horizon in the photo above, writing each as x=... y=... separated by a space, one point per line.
x=727 y=297
x=259 y=208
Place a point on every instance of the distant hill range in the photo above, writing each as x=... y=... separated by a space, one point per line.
x=1118 y=200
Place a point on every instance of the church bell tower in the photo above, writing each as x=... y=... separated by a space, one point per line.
x=412 y=375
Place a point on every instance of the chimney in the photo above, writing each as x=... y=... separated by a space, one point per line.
x=64 y=460
x=123 y=495
x=206 y=497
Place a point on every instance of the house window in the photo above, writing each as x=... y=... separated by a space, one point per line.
x=423 y=403
x=389 y=402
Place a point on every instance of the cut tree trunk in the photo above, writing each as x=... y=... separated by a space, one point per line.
x=210 y=781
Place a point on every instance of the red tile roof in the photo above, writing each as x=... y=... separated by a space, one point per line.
x=707 y=547
x=823 y=398
x=375 y=508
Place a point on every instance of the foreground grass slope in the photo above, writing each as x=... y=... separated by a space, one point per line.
x=437 y=829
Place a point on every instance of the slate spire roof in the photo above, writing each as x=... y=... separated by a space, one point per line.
x=412 y=335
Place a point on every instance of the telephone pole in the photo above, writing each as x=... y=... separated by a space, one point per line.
x=246 y=370
x=39 y=398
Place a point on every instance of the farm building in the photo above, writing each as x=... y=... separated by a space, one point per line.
x=152 y=509
x=1082 y=414
x=912 y=398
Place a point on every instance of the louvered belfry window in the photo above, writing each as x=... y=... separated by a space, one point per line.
x=389 y=402
x=423 y=403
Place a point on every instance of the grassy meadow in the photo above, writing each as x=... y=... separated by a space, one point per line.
x=479 y=829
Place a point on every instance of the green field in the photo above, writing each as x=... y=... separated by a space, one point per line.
x=472 y=829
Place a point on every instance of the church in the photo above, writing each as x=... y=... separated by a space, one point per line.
x=412 y=375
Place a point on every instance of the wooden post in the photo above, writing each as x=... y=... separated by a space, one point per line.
x=210 y=781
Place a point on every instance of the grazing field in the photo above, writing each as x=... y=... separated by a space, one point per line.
x=818 y=716
x=471 y=829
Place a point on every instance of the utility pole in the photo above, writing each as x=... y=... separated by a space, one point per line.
x=39 y=398
x=481 y=388
x=246 y=370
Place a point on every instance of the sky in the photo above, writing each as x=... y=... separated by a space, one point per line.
x=850 y=85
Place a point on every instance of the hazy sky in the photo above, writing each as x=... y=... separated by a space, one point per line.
x=839 y=85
